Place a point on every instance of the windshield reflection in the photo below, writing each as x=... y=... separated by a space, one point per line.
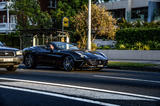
x=65 y=46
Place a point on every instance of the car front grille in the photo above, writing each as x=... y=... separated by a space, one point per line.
x=96 y=62
x=7 y=53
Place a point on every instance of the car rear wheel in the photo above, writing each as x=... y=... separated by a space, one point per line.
x=29 y=61
x=11 y=68
x=68 y=63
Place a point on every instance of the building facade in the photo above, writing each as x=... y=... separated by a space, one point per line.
x=7 y=20
x=147 y=10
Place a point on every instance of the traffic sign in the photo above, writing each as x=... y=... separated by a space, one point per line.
x=65 y=22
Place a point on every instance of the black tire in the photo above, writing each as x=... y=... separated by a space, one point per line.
x=68 y=63
x=29 y=61
x=11 y=68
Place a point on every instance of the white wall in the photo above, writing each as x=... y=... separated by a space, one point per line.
x=132 y=54
x=124 y=4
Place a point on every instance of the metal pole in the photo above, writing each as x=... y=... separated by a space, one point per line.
x=89 y=25
x=62 y=26
x=8 y=26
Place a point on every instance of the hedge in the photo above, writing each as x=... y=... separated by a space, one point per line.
x=11 y=41
x=143 y=35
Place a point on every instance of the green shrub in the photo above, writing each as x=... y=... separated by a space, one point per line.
x=10 y=40
x=94 y=46
x=104 y=47
x=137 y=24
x=139 y=38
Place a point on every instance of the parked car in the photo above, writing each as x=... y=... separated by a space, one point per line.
x=10 y=58
x=63 y=55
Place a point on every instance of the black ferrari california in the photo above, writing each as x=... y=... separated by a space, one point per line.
x=65 y=56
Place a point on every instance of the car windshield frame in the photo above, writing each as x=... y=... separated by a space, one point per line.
x=65 y=46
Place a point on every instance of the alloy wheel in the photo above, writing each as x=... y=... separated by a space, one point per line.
x=68 y=63
x=29 y=61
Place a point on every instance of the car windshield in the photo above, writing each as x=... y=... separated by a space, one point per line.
x=65 y=46
x=1 y=44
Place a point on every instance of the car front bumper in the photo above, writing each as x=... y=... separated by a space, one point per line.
x=10 y=61
x=91 y=64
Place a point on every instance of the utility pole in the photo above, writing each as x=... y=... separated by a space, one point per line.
x=89 y=25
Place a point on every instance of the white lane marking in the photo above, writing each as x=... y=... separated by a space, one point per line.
x=58 y=95
x=122 y=78
x=85 y=88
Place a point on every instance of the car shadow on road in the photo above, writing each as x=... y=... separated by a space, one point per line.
x=54 y=69
x=4 y=71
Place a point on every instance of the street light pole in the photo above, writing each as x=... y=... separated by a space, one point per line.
x=89 y=25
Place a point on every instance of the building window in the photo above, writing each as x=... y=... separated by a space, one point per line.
x=139 y=13
x=13 y=19
x=118 y=13
x=52 y=3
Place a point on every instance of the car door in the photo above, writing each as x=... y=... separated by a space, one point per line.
x=48 y=57
x=41 y=55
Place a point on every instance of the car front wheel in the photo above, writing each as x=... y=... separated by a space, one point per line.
x=29 y=61
x=68 y=63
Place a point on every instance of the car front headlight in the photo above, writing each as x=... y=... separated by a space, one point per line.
x=103 y=55
x=81 y=55
x=18 y=53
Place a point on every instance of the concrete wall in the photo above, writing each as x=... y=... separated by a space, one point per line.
x=126 y=4
x=132 y=54
x=100 y=42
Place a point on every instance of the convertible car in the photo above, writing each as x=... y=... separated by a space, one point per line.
x=65 y=56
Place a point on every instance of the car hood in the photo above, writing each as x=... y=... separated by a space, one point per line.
x=90 y=54
x=8 y=48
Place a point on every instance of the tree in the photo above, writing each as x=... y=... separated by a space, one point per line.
x=66 y=8
x=30 y=16
x=102 y=24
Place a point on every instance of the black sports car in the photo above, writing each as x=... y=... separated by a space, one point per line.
x=63 y=55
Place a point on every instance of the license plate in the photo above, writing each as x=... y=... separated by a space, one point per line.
x=100 y=65
x=8 y=60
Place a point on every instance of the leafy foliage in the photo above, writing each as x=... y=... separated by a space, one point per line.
x=138 y=38
x=67 y=8
x=11 y=40
x=137 y=24
x=102 y=24
x=29 y=15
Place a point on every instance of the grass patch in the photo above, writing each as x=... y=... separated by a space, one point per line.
x=129 y=64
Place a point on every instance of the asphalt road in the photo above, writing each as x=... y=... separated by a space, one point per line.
x=19 y=98
x=111 y=80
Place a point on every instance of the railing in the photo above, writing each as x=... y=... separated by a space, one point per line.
x=5 y=27
x=3 y=5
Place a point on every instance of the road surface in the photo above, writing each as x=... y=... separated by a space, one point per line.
x=106 y=87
